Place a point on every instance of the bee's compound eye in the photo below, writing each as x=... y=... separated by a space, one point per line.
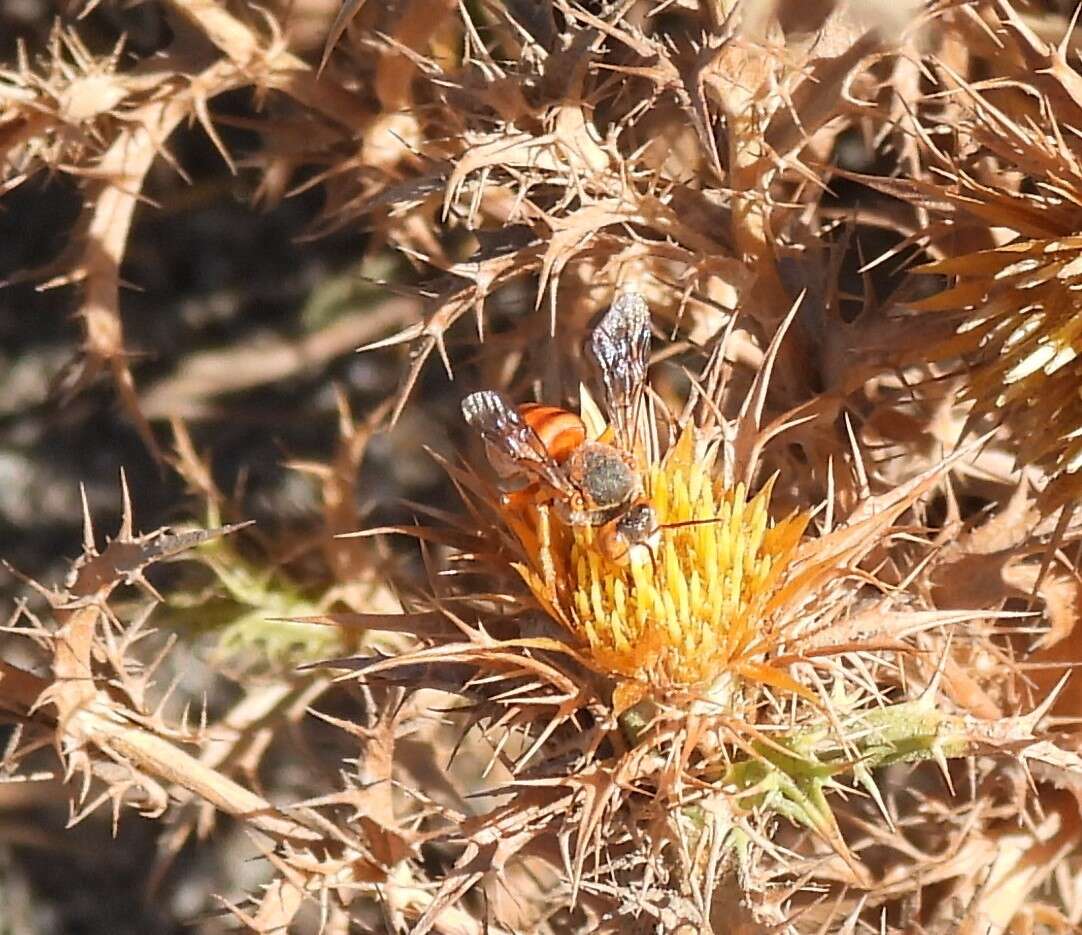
x=638 y=523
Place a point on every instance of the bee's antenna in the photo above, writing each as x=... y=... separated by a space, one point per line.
x=691 y=522
x=680 y=525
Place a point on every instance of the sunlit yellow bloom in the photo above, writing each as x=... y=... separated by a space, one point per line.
x=697 y=606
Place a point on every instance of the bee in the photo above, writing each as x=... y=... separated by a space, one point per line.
x=591 y=483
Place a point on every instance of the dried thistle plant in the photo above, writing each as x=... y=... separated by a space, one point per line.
x=760 y=641
x=1002 y=183
x=729 y=673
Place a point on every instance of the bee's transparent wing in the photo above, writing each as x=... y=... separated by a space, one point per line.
x=504 y=430
x=620 y=345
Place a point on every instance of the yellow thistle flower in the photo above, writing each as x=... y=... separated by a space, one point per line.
x=694 y=609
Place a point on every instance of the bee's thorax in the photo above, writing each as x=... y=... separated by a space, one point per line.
x=604 y=475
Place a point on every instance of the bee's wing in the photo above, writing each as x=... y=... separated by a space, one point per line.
x=502 y=427
x=620 y=344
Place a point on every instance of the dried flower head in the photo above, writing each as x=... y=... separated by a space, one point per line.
x=1015 y=197
x=1022 y=337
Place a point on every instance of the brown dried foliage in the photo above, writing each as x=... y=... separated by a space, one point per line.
x=899 y=756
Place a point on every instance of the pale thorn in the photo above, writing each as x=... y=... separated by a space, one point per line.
x=755 y=400
x=159 y=657
x=828 y=517
x=139 y=580
x=1039 y=713
x=940 y=759
x=1063 y=49
x=927 y=699
x=52 y=597
x=751 y=410
x=1054 y=543
x=203 y=716
x=850 y=924
x=918 y=568
x=89 y=547
x=84 y=789
x=864 y=777
x=125 y=532
x=242 y=917
x=202 y=113
x=858 y=461
x=407 y=334
x=954 y=511
x=1032 y=783
x=715 y=376
x=159 y=709
x=117 y=800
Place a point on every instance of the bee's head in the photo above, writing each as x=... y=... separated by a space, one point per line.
x=638 y=524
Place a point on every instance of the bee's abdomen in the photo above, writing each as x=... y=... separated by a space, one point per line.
x=560 y=431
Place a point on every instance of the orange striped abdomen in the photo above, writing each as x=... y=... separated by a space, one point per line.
x=560 y=431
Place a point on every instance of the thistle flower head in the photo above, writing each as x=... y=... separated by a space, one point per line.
x=693 y=606
x=1017 y=299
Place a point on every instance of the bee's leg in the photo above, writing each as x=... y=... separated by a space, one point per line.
x=519 y=508
x=545 y=554
x=651 y=550
x=653 y=562
x=520 y=501
x=562 y=511
x=616 y=548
